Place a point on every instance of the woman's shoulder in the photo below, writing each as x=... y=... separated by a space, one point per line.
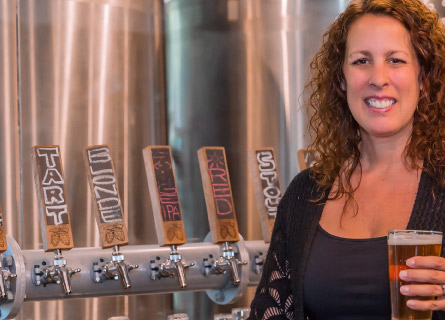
x=303 y=180
x=304 y=186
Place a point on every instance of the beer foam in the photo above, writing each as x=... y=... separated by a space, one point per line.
x=402 y=238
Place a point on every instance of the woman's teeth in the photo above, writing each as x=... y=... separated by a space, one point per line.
x=380 y=104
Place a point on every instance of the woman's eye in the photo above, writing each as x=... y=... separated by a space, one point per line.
x=396 y=61
x=360 y=61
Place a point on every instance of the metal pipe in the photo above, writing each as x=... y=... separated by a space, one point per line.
x=84 y=286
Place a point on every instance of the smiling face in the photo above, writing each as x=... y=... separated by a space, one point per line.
x=381 y=76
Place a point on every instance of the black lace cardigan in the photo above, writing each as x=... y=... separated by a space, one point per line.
x=280 y=292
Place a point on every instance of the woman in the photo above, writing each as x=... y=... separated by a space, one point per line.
x=378 y=115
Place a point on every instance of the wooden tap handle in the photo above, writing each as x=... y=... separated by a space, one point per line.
x=266 y=182
x=51 y=196
x=218 y=194
x=164 y=195
x=105 y=192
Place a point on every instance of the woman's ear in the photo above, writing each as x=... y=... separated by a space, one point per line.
x=343 y=84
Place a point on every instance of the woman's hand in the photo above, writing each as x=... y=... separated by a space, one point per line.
x=430 y=272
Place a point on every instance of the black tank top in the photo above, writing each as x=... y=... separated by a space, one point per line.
x=347 y=279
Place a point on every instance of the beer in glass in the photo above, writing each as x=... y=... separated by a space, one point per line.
x=402 y=245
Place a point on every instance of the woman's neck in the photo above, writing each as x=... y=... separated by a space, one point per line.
x=384 y=153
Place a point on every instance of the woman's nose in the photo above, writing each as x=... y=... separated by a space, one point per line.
x=379 y=77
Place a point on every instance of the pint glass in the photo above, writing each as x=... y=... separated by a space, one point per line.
x=402 y=245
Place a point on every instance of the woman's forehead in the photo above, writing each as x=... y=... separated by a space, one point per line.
x=378 y=34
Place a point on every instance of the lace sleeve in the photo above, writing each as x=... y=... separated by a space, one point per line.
x=273 y=298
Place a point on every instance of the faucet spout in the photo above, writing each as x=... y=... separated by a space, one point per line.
x=64 y=277
x=233 y=263
x=181 y=274
x=123 y=270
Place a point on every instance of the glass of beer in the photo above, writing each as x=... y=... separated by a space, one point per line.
x=402 y=245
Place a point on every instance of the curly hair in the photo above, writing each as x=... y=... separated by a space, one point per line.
x=337 y=134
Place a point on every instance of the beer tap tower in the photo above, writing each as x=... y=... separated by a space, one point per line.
x=54 y=217
x=167 y=212
x=221 y=214
x=109 y=215
x=266 y=182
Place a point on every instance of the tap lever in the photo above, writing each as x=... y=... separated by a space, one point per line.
x=114 y=269
x=57 y=273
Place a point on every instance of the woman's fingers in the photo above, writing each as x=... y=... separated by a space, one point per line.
x=424 y=269
x=423 y=276
x=438 y=304
x=423 y=290
x=428 y=262
x=429 y=272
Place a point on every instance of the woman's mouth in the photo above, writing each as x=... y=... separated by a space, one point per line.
x=380 y=105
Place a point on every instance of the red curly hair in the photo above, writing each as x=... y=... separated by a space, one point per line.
x=337 y=134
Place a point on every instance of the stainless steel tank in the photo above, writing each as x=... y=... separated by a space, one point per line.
x=9 y=155
x=235 y=75
x=92 y=71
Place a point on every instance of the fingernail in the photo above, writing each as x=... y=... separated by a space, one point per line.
x=410 y=303
x=403 y=274
x=404 y=289
x=410 y=262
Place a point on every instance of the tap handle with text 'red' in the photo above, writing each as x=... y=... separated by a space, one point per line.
x=53 y=207
x=164 y=195
x=266 y=182
x=218 y=194
x=105 y=192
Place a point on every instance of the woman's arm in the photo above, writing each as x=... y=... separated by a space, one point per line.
x=273 y=298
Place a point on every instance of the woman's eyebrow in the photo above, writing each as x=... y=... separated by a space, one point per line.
x=398 y=51
x=362 y=52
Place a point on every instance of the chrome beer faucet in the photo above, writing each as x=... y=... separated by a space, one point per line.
x=6 y=276
x=57 y=273
x=225 y=262
x=173 y=265
x=116 y=269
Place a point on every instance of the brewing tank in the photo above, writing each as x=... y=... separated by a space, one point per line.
x=236 y=71
x=90 y=72
x=133 y=73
